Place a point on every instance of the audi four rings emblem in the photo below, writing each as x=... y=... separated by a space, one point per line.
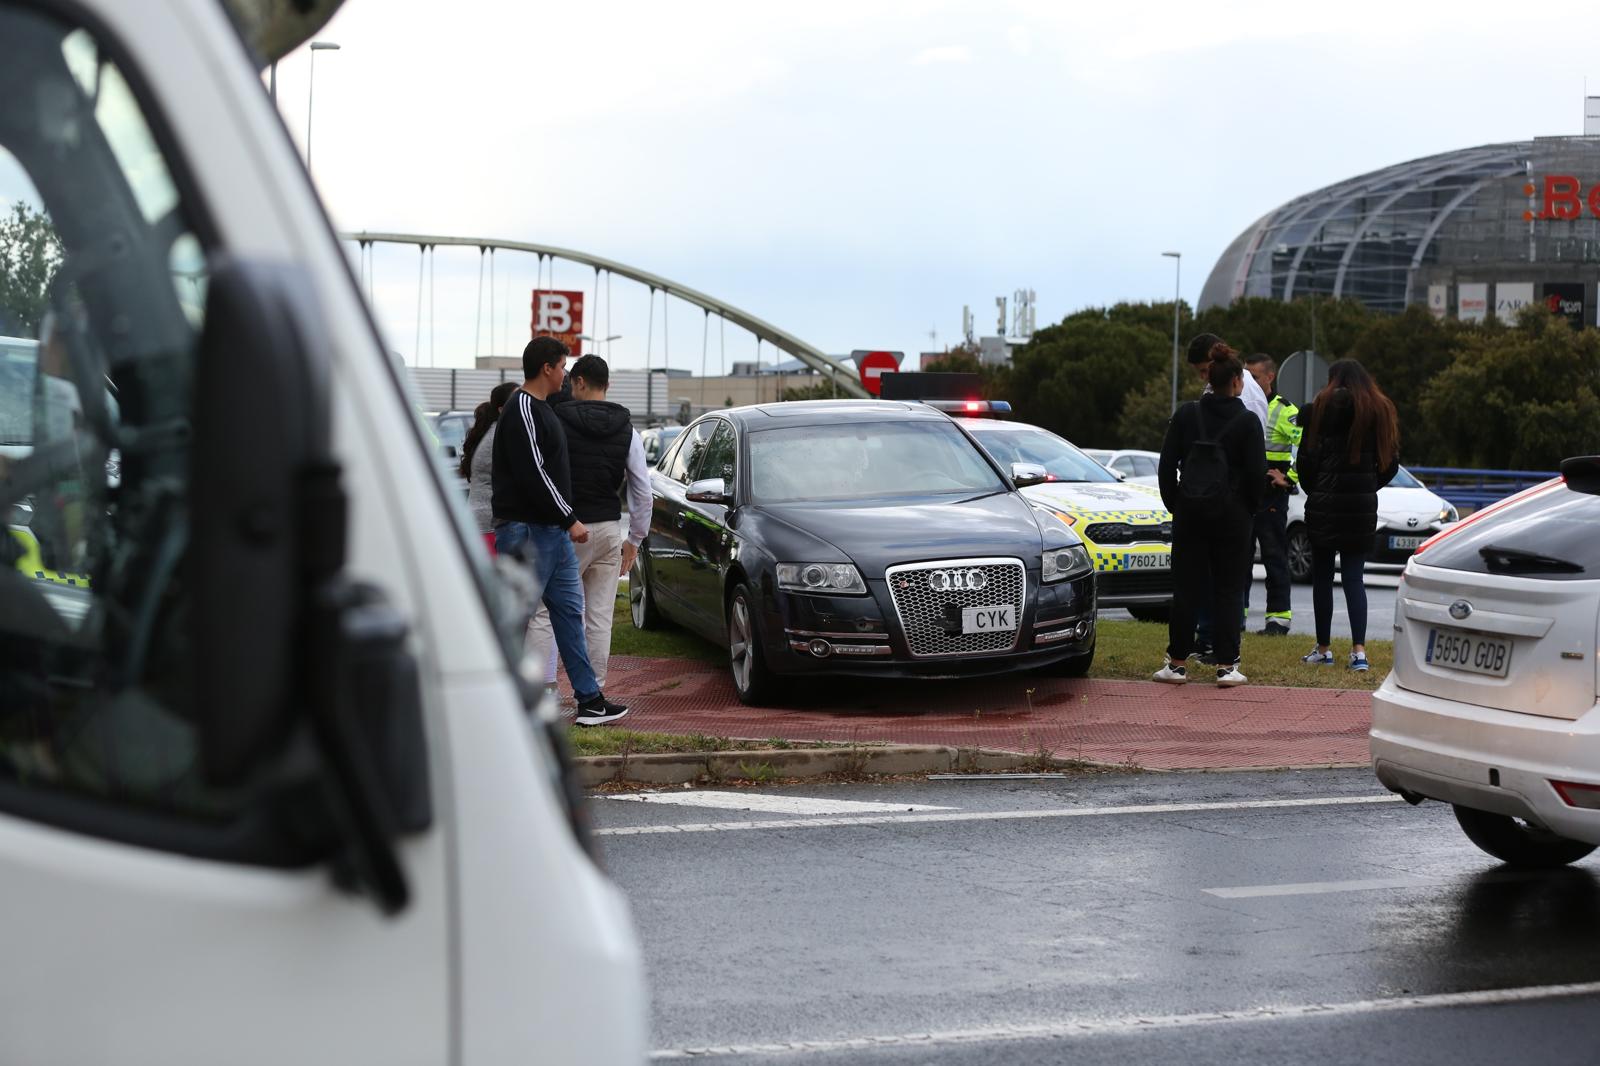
x=957 y=580
x=1460 y=609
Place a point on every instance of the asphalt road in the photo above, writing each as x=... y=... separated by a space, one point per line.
x=1381 y=588
x=1256 y=918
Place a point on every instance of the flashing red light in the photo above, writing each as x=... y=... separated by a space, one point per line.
x=974 y=405
x=1542 y=487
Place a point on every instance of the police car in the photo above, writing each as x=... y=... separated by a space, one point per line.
x=1124 y=526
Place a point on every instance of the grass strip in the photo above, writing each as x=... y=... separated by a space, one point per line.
x=1125 y=651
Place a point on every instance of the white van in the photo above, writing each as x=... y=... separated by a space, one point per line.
x=270 y=791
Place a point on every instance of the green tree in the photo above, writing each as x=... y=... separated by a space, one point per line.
x=1405 y=353
x=30 y=255
x=1525 y=397
x=822 y=390
x=1072 y=378
x=1147 y=409
x=961 y=359
x=1259 y=324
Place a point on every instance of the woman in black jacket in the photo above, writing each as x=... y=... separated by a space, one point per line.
x=1351 y=449
x=1216 y=445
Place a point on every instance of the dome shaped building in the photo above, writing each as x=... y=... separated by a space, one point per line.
x=1473 y=233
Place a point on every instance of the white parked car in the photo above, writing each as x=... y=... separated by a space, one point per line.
x=1133 y=465
x=1408 y=514
x=1492 y=703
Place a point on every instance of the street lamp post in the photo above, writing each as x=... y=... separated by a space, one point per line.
x=1177 y=288
x=316 y=46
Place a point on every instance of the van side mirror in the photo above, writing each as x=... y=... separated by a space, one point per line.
x=1025 y=474
x=287 y=651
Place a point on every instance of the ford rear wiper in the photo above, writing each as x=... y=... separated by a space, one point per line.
x=1517 y=561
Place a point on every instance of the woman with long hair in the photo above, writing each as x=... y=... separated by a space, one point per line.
x=477 y=458
x=1350 y=450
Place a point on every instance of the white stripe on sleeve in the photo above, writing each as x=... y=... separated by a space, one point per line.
x=525 y=402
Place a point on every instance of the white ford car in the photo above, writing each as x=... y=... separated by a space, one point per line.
x=1492 y=705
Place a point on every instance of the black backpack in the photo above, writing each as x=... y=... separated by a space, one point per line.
x=1204 y=485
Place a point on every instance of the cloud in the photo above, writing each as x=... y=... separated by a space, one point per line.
x=945 y=53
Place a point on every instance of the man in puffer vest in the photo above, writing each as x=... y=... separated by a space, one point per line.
x=605 y=453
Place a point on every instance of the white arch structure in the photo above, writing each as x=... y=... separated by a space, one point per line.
x=843 y=376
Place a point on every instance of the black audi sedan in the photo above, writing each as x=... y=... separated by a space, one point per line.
x=859 y=538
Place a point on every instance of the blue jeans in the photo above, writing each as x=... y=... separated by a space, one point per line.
x=549 y=551
x=1353 y=571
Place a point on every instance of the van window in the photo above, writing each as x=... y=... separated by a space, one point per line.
x=101 y=318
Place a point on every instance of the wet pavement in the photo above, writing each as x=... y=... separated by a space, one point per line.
x=1102 y=918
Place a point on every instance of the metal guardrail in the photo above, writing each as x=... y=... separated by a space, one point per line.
x=1471 y=489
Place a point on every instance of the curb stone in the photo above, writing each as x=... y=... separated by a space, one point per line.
x=678 y=767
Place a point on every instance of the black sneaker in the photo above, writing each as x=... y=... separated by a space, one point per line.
x=1274 y=628
x=1204 y=656
x=599 y=711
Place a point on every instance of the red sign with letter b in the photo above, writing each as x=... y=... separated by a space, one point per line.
x=558 y=313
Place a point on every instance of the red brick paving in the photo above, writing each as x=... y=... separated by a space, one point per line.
x=1155 y=726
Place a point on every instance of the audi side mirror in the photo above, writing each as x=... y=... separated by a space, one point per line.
x=1025 y=474
x=710 y=490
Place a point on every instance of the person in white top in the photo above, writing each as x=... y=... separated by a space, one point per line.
x=1202 y=349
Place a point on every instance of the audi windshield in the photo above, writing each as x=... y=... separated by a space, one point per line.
x=866 y=460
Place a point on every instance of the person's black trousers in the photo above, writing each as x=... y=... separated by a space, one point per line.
x=1272 y=533
x=1210 y=563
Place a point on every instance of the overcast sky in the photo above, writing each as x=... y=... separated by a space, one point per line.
x=855 y=172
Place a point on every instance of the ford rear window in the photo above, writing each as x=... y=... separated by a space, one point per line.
x=1548 y=535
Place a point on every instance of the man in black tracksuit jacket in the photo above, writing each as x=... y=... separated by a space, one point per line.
x=534 y=519
x=1212 y=549
x=605 y=454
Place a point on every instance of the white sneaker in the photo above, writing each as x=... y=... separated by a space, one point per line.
x=1230 y=677
x=1171 y=674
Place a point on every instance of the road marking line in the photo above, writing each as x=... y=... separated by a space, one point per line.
x=771 y=804
x=991 y=816
x=1076 y=1027
x=1317 y=888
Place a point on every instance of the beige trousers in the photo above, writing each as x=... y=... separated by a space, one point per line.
x=599 y=566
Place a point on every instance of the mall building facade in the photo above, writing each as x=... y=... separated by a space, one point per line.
x=1471 y=234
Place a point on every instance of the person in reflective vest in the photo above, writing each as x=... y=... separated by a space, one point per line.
x=1272 y=522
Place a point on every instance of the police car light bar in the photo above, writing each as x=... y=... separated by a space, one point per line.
x=970 y=407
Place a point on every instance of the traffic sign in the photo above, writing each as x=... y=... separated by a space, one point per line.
x=873 y=365
x=1301 y=377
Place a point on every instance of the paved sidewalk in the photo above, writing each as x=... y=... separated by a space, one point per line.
x=1155 y=726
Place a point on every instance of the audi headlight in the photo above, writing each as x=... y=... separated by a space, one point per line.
x=833 y=578
x=1061 y=563
x=1448 y=514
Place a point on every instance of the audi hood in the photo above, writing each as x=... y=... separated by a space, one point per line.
x=877 y=534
